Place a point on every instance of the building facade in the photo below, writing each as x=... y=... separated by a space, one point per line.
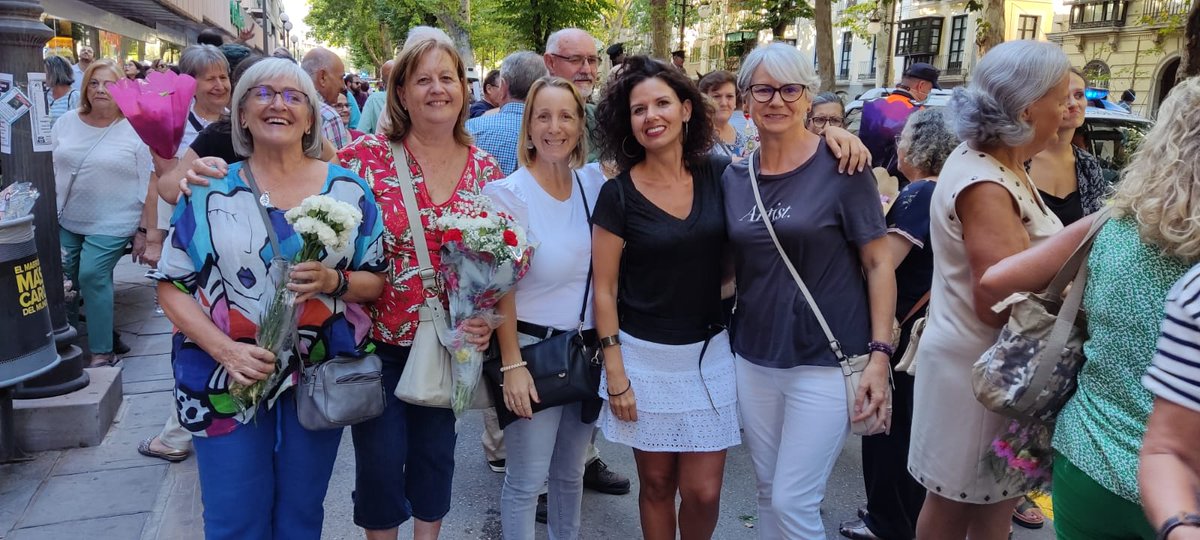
x=1125 y=45
x=146 y=30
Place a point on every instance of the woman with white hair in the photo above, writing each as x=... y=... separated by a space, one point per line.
x=1137 y=257
x=791 y=393
x=985 y=208
x=262 y=474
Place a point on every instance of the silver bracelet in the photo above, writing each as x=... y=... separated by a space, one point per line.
x=504 y=369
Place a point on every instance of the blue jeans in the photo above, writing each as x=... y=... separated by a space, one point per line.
x=552 y=445
x=404 y=458
x=267 y=479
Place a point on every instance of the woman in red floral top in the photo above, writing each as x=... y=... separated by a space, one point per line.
x=405 y=458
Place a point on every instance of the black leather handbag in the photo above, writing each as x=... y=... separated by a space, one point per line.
x=565 y=366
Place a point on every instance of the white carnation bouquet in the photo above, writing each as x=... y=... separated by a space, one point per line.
x=325 y=225
x=484 y=253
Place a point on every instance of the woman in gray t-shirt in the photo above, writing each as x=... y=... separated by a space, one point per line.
x=831 y=227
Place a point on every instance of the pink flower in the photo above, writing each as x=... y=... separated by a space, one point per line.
x=157 y=108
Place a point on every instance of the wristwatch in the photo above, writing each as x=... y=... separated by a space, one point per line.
x=1181 y=519
x=609 y=341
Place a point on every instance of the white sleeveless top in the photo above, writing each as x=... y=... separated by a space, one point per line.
x=952 y=431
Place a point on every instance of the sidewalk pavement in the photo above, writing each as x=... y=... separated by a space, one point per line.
x=111 y=492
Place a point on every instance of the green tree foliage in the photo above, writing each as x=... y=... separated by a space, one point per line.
x=534 y=20
x=777 y=15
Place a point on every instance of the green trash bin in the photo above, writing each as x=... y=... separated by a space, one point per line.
x=28 y=348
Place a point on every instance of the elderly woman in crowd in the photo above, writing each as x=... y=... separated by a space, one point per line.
x=552 y=195
x=894 y=498
x=134 y=69
x=343 y=108
x=788 y=377
x=263 y=475
x=668 y=376
x=720 y=87
x=1069 y=179
x=984 y=209
x=209 y=67
x=405 y=458
x=101 y=174
x=59 y=94
x=1148 y=245
x=827 y=111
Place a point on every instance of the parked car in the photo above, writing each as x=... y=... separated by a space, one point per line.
x=1110 y=135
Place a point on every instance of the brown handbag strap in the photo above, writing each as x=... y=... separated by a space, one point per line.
x=917 y=307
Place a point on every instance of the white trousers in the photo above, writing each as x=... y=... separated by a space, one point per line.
x=795 y=422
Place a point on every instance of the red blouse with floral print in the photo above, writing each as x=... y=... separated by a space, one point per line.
x=394 y=316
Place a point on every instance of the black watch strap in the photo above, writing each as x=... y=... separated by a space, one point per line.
x=1182 y=519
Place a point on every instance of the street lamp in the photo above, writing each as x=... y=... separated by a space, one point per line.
x=295 y=46
x=874 y=26
x=287 y=26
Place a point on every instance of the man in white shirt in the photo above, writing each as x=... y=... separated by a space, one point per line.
x=86 y=55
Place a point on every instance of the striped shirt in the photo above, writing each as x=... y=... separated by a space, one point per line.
x=497 y=134
x=333 y=128
x=60 y=106
x=1174 y=374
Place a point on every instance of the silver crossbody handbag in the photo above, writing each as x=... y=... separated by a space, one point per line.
x=340 y=391
x=852 y=367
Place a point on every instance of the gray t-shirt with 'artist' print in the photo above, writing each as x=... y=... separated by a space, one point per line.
x=822 y=219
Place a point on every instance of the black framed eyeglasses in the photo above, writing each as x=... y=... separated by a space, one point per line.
x=265 y=95
x=578 y=59
x=764 y=93
x=821 y=121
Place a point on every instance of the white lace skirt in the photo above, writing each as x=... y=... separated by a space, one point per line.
x=678 y=408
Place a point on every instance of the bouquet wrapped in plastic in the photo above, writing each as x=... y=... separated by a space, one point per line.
x=323 y=223
x=1023 y=454
x=157 y=108
x=484 y=253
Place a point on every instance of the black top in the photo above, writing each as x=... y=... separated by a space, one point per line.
x=1069 y=209
x=669 y=289
x=909 y=217
x=216 y=139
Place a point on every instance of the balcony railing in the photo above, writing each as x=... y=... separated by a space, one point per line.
x=1158 y=10
x=1098 y=14
x=866 y=71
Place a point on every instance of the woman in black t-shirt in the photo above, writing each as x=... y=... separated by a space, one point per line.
x=657 y=252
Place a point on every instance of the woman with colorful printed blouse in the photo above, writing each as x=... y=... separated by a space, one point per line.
x=405 y=458
x=1149 y=243
x=262 y=475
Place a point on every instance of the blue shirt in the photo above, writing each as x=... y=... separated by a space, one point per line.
x=497 y=134
x=355 y=112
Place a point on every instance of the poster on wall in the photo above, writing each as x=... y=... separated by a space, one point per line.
x=6 y=84
x=39 y=113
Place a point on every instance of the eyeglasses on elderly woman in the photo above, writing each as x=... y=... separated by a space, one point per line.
x=265 y=95
x=764 y=93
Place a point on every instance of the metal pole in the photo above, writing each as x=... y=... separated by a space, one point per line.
x=683 y=4
x=22 y=37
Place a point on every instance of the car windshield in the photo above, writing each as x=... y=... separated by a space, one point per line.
x=1112 y=141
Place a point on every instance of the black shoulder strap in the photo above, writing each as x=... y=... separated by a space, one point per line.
x=196 y=125
x=587 y=288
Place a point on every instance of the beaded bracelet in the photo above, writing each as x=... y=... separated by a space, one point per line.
x=505 y=369
x=343 y=285
x=879 y=346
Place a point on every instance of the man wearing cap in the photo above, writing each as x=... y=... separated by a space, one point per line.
x=616 y=56
x=883 y=119
x=677 y=59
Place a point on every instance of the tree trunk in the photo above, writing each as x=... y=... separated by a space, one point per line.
x=822 y=15
x=660 y=30
x=1189 y=65
x=780 y=30
x=456 y=27
x=991 y=26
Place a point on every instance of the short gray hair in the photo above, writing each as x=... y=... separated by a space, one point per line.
x=828 y=97
x=196 y=59
x=782 y=62
x=927 y=140
x=552 y=41
x=519 y=70
x=1006 y=82
x=58 y=71
x=265 y=70
x=422 y=33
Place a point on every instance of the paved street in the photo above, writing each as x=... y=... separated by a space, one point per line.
x=111 y=492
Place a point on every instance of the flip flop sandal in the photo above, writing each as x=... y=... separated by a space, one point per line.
x=102 y=360
x=174 y=456
x=857 y=530
x=1028 y=515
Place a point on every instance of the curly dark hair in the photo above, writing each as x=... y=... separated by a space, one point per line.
x=615 y=139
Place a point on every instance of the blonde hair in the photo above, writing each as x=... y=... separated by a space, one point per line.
x=398 y=122
x=85 y=103
x=1160 y=186
x=525 y=154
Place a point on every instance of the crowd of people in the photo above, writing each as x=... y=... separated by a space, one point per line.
x=728 y=265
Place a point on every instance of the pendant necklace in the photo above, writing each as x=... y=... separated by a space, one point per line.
x=265 y=199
